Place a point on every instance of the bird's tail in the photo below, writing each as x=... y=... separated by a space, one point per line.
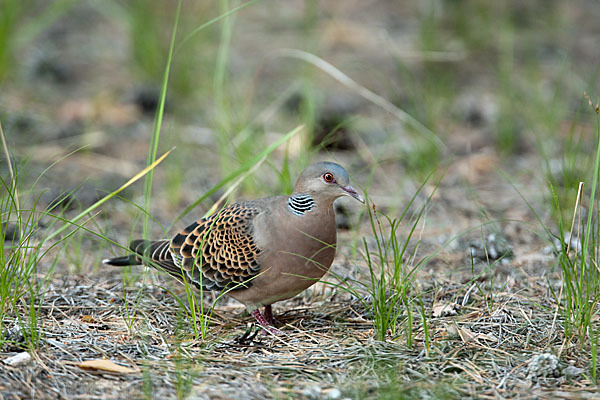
x=122 y=261
x=139 y=247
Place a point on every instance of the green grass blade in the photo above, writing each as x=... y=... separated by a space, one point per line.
x=244 y=168
x=153 y=150
x=107 y=197
x=212 y=21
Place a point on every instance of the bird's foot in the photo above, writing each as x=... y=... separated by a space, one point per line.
x=248 y=337
x=266 y=325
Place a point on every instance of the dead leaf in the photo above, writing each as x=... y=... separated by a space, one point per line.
x=106 y=365
x=466 y=335
x=445 y=309
x=87 y=318
x=489 y=338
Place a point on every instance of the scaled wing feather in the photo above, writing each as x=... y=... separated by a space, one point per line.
x=219 y=250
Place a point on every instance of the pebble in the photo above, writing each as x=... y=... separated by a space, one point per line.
x=495 y=247
x=17 y=359
x=572 y=371
x=332 y=394
x=312 y=392
x=12 y=336
x=316 y=392
x=543 y=365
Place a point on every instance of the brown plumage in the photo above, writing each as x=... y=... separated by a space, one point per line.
x=261 y=251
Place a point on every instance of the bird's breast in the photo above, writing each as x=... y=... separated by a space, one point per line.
x=295 y=252
x=298 y=244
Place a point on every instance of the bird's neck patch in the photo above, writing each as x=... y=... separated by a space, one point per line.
x=300 y=204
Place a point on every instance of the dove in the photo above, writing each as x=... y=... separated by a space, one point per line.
x=259 y=251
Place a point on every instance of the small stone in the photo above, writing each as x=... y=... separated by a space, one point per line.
x=568 y=242
x=10 y=231
x=572 y=371
x=477 y=109
x=452 y=330
x=17 y=359
x=333 y=122
x=49 y=66
x=332 y=394
x=548 y=250
x=342 y=216
x=146 y=97
x=312 y=392
x=494 y=247
x=13 y=337
x=544 y=365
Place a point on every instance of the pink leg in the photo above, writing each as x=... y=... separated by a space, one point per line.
x=263 y=322
x=268 y=313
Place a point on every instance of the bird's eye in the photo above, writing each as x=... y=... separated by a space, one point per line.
x=328 y=177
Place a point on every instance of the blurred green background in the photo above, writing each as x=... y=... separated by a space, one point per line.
x=392 y=90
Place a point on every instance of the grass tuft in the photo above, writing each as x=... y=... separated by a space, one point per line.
x=579 y=298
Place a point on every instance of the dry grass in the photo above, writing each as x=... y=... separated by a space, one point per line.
x=481 y=351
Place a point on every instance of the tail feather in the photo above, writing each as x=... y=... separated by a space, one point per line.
x=138 y=247
x=149 y=252
x=122 y=261
x=157 y=254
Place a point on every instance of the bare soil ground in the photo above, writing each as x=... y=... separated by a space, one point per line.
x=493 y=326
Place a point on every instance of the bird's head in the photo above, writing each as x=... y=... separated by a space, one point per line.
x=326 y=180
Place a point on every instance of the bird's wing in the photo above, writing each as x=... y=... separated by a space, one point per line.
x=220 y=250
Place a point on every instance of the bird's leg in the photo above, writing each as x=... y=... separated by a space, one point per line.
x=263 y=322
x=269 y=316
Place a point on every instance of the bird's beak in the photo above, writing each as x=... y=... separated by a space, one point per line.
x=351 y=192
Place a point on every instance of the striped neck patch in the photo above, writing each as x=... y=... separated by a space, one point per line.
x=300 y=204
